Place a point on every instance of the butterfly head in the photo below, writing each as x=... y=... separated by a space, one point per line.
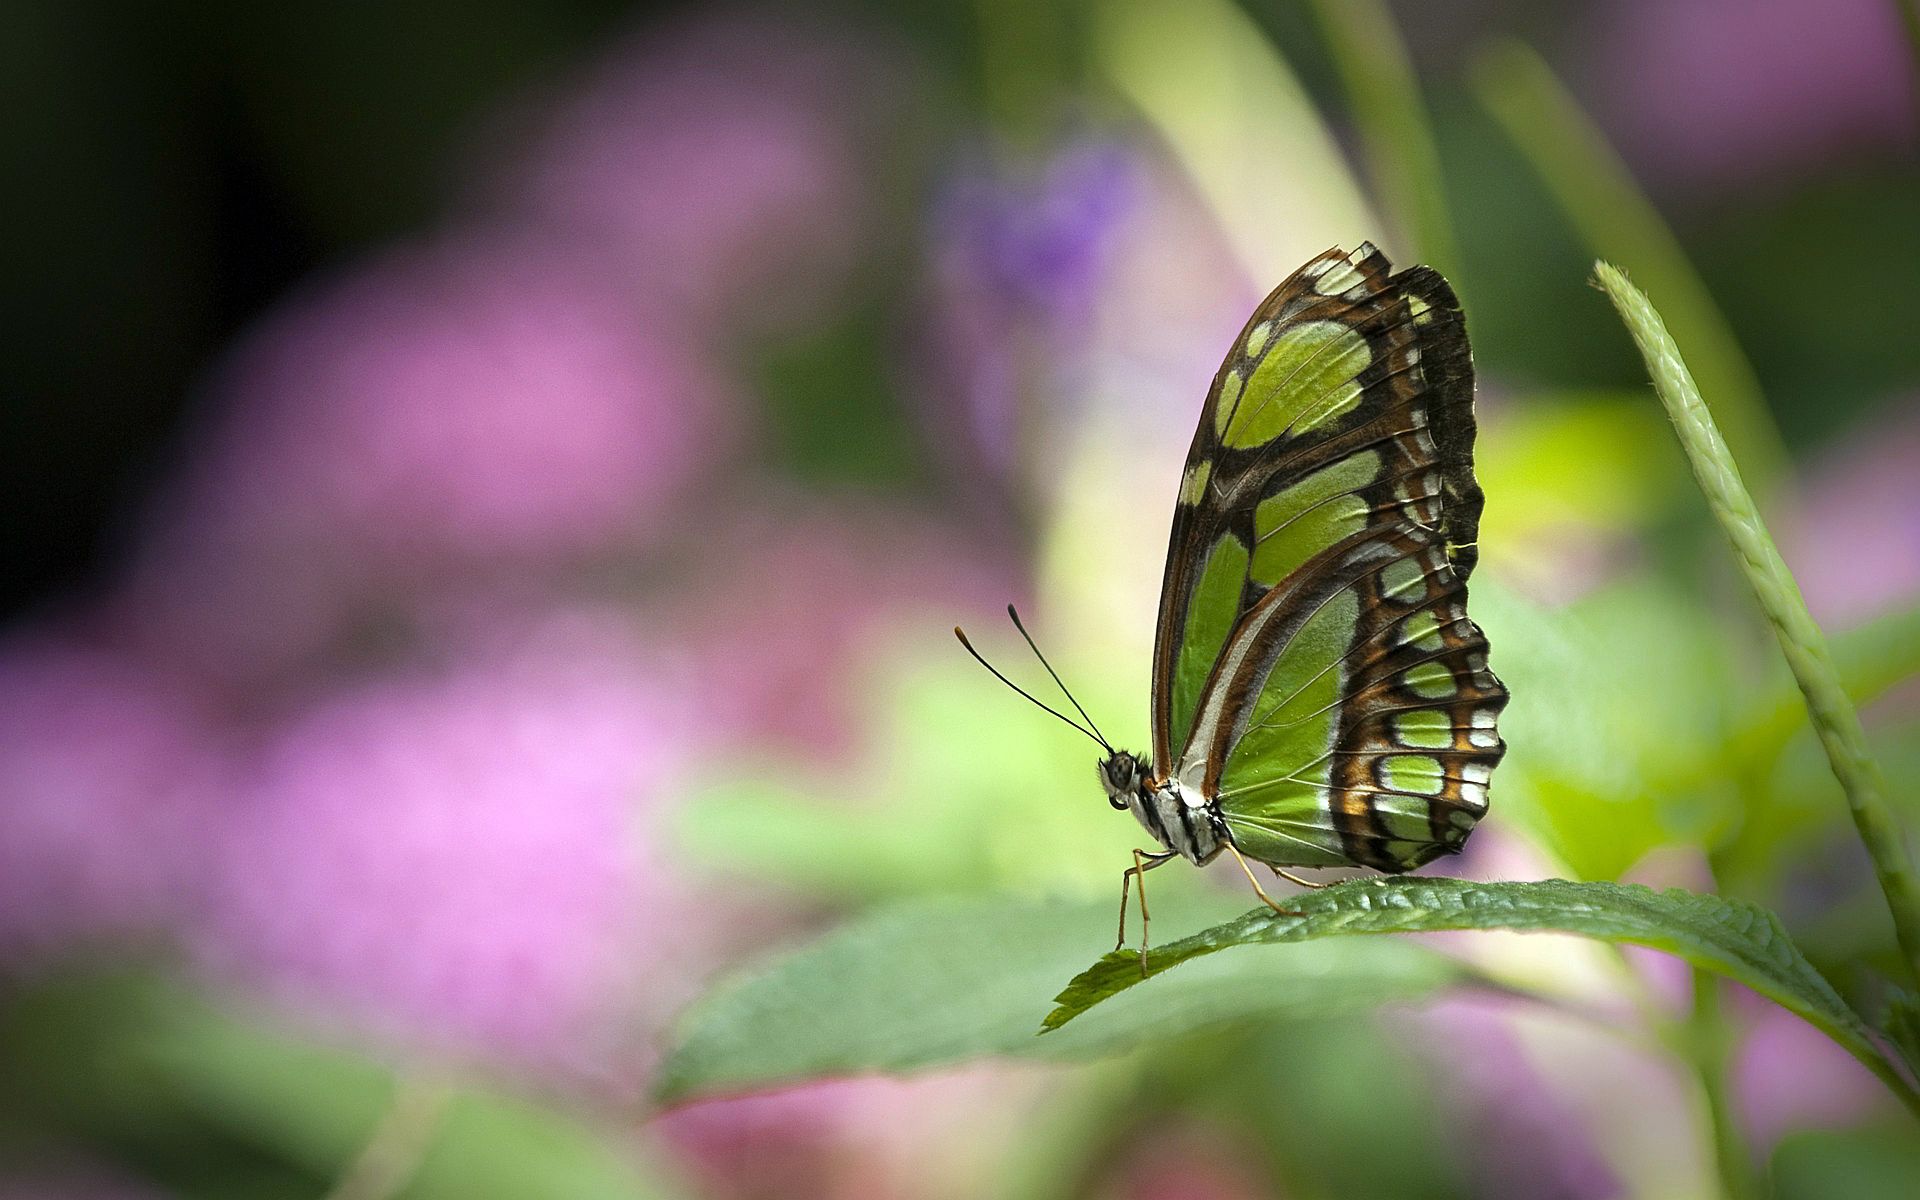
x=1122 y=775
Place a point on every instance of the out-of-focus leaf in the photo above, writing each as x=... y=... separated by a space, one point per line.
x=1617 y=701
x=1743 y=942
x=1860 y=1164
x=1601 y=460
x=1903 y=1025
x=1870 y=659
x=1378 y=76
x=321 y=1108
x=1619 y=223
x=932 y=813
x=941 y=980
x=1229 y=106
x=1827 y=369
x=153 y=1077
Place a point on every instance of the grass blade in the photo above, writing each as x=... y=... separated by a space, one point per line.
x=1384 y=93
x=1617 y=222
x=1834 y=719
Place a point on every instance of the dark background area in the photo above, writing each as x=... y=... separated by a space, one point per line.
x=171 y=169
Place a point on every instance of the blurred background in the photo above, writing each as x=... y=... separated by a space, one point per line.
x=489 y=485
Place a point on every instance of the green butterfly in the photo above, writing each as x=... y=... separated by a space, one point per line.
x=1320 y=697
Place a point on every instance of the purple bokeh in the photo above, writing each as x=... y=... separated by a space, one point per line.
x=777 y=623
x=862 y=1138
x=722 y=163
x=1723 y=93
x=1018 y=259
x=460 y=856
x=1854 y=542
x=1500 y=1100
x=1787 y=1075
x=108 y=774
x=475 y=402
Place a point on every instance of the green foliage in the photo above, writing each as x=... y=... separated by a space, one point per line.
x=1740 y=941
x=150 y=1074
x=1860 y=1164
x=940 y=980
x=1616 y=219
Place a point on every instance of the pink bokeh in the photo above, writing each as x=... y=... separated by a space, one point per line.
x=481 y=402
x=722 y=163
x=463 y=856
x=1787 y=1075
x=1721 y=93
x=779 y=620
x=108 y=774
x=1854 y=543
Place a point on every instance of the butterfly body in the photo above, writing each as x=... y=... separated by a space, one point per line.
x=1181 y=821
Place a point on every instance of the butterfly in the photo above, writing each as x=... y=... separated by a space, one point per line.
x=1320 y=696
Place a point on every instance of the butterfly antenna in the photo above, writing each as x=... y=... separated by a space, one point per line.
x=1012 y=612
x=957 y=632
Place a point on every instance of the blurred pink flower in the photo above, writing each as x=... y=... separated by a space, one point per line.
x=933 y=1136
x=462 y=857
x=105 y=780
x=1538 y=1146
x=720 y=162
x=1182 y=1160
x=484 y=401
x=790 y=605
x=1727 y=91
x=1854 y=544
x=1787 y=1075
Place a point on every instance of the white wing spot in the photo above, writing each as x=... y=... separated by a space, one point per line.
x=1340 y=277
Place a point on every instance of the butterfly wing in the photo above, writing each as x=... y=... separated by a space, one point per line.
x=1315 y=673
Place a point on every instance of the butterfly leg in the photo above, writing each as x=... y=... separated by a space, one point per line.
x=1257 y=889
x=1290 y=877
x=1142 y=863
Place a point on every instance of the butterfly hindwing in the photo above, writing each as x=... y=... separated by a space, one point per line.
x=1315 y=585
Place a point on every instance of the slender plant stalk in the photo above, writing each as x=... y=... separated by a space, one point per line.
x=392 y=1156
x=1384 y=93
x=1910 y=22
x=1617 y=222
x=1801 y=641
x=1709 y=1050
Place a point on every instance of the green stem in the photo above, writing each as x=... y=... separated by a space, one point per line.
x=1709 y=1051
x=1910 y=21
x=1801 y=641
x=1618 y=222
x=399 y=1143
x=1384 y=92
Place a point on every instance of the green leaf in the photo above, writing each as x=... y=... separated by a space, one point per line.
x=151 y=1074
x=1743 y=942
x=1860 y=1164
x=1903 y=1025
x=942 y=980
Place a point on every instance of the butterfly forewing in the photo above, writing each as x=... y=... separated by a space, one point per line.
x=1315 y=671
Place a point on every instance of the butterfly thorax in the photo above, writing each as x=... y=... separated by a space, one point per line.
x=1183 y=822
